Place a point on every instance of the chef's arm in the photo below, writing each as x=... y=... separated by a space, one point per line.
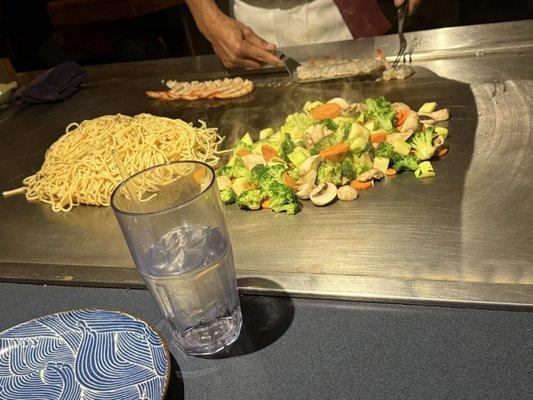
x=235 y=43
x=412 y=6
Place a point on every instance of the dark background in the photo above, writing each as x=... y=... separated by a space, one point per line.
x=35 y=34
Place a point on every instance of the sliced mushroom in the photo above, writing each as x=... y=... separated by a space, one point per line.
x=323 y=194
x=339 y=101
x=310 y=177
x=400 y=106
x=223 y=182
x=305 y=185
x=426 y=120
x=251 y=160
x=345 y=181
x=412 y=122
x=314 y=133
x=438 y=141
x=347 y=193
x=440 y=115
x=370 y=174
x=350 y=110
x=311 y=164
x=305 y=190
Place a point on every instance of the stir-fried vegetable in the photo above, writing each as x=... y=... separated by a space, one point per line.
x=250 y=199
x=326 y=111
x=385 y=150
x=228 y=196
x=422 y=143
x=328 y=146
x=381 y=111
x=408 y=162
x=329 y=171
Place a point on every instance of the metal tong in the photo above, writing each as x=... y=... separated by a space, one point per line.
x=402 y=16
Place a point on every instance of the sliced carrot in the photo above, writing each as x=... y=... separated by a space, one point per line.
x=378 y=137
x=242 y=152
x=442 y=151
x=198 y=175
x=269 y=152
x=390 y=172
x=325 y=111
x=401 y=116
x=289 y=181
x=361 y=185
x=334 y=150
x=265 y=203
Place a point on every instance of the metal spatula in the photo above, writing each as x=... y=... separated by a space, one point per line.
x=290 y=63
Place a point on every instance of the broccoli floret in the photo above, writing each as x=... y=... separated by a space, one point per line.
x=282 y=198
x=263 y=175
x=259 y=175
x=280 y=193
x=381 y=110
x=290 y=209
x=327 y=141
x=329 y=172
x=287 y=147
x=239 y=170
x=348 y=168
x=324 y=143
x=422 y=143
x=359 y=169
x=228 y=196
x=409 y=162
x=276 y=171
x=250 y=199
x=330 y=124
x=226 y=170
x=385 y=150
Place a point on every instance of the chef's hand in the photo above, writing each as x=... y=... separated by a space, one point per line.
x=412 y=6
x=238 y=46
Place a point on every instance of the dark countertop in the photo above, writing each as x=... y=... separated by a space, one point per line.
x=317 y=349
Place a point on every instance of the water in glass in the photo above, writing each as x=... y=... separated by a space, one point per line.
x=190 y=273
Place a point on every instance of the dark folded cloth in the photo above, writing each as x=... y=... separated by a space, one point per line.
x=56 y=84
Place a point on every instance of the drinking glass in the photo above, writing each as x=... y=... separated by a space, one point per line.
x=171 y=219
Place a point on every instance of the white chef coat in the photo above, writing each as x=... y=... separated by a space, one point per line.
x=292 y=22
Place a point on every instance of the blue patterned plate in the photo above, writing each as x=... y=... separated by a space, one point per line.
x=83 y=354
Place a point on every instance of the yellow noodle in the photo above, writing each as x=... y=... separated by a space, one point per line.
x=79 y=167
